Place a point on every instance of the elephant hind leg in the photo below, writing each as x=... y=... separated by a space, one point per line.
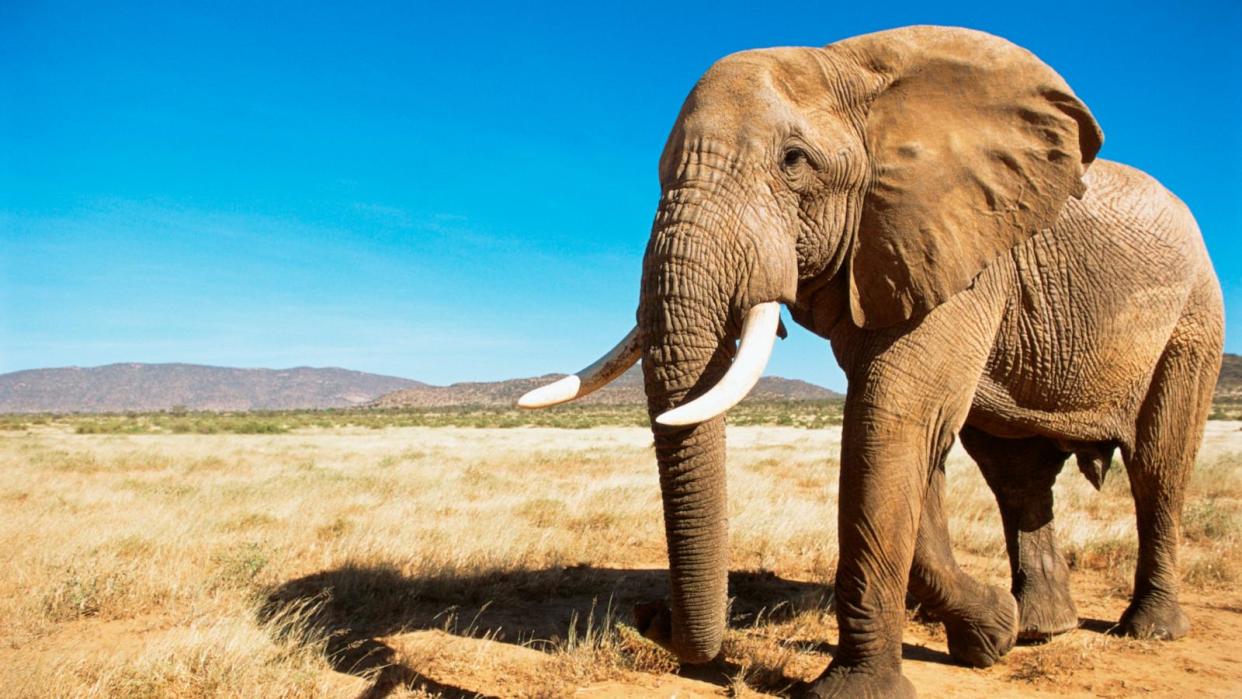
x=1020 y=473
x=981 y=621
x=1170 y=429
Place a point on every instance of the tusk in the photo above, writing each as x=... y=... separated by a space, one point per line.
x=590 y=379
x=758 y=336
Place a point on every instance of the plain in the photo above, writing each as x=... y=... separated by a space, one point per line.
x=338 y=560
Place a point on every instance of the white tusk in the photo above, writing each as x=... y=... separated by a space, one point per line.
x=758 y=336
x=590 y=379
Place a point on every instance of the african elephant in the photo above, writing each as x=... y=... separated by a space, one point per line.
x=921 y=198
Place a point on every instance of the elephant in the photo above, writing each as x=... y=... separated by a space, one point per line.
x=927 y=199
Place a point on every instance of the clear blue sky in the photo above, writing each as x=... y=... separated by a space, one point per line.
x=456 y=191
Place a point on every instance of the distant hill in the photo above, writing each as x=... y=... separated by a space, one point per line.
x=120 y=387
x=1229 y=385
x=626 y=390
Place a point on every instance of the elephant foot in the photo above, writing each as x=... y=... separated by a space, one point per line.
x=980 y=638
x=1149 y=617
x=718 y=671
x=1046 y=609
x=854 y=682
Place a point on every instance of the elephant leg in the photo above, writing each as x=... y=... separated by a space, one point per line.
x=910 y=389
x=883 y=482
x=1170 y=428
x=1020 y=473
x=981 y=621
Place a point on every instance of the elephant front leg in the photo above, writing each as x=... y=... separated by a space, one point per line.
x=881 y=496
x=888 y=461
x=910 y=389
x=981 y=621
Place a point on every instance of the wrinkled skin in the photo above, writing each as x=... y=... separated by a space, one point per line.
x=928 y=200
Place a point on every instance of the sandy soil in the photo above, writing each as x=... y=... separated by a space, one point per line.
x=1083 y=663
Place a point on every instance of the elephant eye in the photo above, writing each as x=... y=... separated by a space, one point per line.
x=794 y=157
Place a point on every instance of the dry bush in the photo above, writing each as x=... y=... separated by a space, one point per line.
x=1052 y=663
x=231 y=658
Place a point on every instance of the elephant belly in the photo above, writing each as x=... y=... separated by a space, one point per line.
x=1092 y=304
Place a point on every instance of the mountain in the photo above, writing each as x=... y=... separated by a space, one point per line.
x=626 y=390
x=120 y=387
x=1229 y=385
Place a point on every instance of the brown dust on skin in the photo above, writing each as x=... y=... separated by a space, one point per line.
x=504 y=562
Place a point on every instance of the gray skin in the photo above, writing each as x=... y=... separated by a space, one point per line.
x=921 y=198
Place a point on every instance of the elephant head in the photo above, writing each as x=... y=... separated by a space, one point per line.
x=890 y=168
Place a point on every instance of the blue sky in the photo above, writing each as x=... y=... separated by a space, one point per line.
x=456 y=191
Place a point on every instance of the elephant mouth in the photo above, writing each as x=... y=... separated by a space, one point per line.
x=759 y=331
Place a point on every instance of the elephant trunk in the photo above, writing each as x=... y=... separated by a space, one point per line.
x=687 y=350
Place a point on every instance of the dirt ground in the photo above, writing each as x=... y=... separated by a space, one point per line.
x=460 y=562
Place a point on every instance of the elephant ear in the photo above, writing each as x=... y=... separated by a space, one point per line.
x=975 y=145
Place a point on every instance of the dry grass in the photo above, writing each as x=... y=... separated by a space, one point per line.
x=809 y=414
x=290 y=564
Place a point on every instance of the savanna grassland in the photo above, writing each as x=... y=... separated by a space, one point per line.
x=456 y=553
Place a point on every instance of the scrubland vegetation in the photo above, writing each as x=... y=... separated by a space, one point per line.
x=1227 y=409
x=347 y=553
x=810 y=414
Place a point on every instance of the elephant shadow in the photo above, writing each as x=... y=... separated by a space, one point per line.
x=355 y=607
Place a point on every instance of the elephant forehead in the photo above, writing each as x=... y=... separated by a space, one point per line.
x=753 y=92
x=735 y=101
